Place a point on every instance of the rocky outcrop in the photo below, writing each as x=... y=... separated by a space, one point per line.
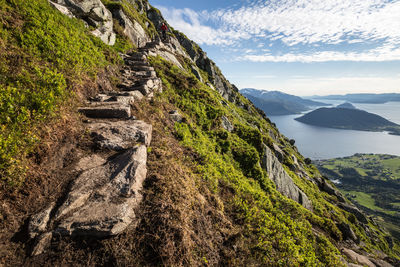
x=132 y=29
x=354 y=210
x=347 y=232
x=102 y=200
x=175 y=116
x=93 y=12
x=355 y=257
x=325 y=186
x=199 y=57
x=226 y=124
x=284 y=183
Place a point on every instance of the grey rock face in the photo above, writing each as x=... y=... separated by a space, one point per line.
x=348 y=233
x=102 y=200
x=203 y=62
x=328 y=188
x=38 y=222
x=100 y=203
x=355 y=257
x=175 y=116
x=132 y=29
x=354 y=210
x=226 y=124
x=284 y=183
x=93 y=12
x=381 y=263
x=121 y=135
x=41 y=244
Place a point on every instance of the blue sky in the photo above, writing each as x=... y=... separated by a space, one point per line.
x=301 y=47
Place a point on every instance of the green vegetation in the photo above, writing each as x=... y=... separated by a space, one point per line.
x=277 y=229
x=372 y=182
x=43 y=55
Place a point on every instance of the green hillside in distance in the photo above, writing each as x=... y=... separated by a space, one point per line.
x=372 y=182
x=351 y=119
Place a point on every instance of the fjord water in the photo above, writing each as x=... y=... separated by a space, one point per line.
x=323 y=143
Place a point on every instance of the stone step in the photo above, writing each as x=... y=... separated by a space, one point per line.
x=130 y=62
x=106 y=110
x=142 y=68
x=138 y=57
x=149 y=74
x=120 y=135
x=146 y=88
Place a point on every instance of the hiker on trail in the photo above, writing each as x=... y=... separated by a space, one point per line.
x=164 y=30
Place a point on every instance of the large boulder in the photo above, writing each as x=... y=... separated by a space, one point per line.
x=101 y=202
x=93 y=12
x=284 y=183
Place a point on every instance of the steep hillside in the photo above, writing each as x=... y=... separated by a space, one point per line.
x=167 y=164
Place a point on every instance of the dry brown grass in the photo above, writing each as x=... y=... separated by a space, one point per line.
x=180 y=221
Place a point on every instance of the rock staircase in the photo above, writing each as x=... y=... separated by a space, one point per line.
x=101 y=201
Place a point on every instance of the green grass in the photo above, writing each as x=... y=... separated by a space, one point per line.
x=278 y=230
x=43 y=55
x=366 y=200
x=386 y=167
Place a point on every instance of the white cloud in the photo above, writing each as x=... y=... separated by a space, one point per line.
x=384 y=53
x=311 y=21
x=189 y=22
x=304 y=23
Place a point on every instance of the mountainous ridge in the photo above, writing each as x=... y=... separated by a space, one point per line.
x=363 y=98
x=209 y=197
x=278 y=103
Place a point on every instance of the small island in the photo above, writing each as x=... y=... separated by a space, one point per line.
x=350 y=119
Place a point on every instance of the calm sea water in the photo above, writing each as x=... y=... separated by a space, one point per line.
x=323 y=143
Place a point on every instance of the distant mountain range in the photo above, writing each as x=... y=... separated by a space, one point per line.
x=349 y=118
x=278 y=103
x=363 y=98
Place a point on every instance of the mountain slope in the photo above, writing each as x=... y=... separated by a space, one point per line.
x=223 y=186
x=345 y=118
x=278 y=103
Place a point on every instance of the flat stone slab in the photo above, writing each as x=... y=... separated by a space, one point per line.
x=101 y=202
x=107 y=110
x=121 y=135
